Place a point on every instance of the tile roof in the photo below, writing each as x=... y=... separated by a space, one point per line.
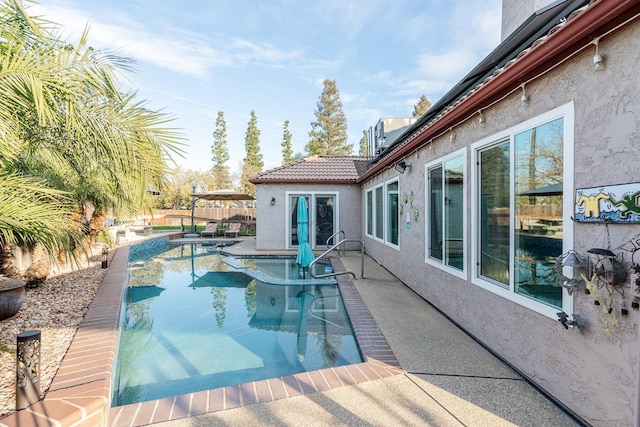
x=329 y=169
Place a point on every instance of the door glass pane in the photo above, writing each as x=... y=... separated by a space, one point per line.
x=293 y=208
x=392 y=213
x=538 y=216
x=454 y=212
x=435 y=213
x=379 y=208
x=494 y=214
x=325 y=225
x=370 y=213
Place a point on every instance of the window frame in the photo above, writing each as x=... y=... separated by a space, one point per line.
x=371 y=196
x=440 y=264
x=368 y=228
x=312 y=195
x=387 y=225
x=566 y=112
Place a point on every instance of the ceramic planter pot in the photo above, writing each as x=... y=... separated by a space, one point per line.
x=12 y=294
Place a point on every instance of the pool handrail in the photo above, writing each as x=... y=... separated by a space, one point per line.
x=343 y=241
x=344 y=236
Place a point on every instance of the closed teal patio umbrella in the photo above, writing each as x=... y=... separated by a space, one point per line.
x=305 y=299
x=305 y=254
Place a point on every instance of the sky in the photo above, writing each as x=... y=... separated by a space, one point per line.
x=195 y=58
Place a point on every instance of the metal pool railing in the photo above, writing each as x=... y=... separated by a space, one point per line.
x=337 y=245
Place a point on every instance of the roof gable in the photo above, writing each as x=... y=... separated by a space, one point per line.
x=329 y=169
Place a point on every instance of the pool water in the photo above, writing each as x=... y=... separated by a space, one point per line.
x=191 y=322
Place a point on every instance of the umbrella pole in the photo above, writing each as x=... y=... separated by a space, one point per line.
x=193 y=208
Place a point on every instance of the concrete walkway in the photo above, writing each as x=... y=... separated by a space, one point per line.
x=450 y=379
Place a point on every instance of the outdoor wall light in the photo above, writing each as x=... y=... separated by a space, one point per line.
x=402 y=166
x=273 y=201
x=598 y=61
x=524 y=99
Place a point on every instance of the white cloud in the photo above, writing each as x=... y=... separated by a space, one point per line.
x=176 y=50
x=439 y=67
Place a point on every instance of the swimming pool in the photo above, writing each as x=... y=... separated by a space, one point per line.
x=196 y=319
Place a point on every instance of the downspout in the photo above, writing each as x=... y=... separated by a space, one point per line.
x=636 y=409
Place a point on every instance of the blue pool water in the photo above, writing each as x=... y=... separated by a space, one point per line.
x=195 y=319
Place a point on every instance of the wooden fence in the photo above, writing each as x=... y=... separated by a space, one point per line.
x=201 y=216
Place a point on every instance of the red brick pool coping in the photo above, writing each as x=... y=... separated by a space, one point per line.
x=80 y=393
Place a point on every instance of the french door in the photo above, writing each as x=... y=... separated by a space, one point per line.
x=322 y=219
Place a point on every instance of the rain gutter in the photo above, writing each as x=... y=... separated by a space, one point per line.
x=571 y=38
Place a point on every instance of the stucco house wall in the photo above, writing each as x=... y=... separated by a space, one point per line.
x=272 y=223
x=594 y=373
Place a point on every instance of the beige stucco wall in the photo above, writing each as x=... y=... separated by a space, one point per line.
x=272 y=220
x=593 y=374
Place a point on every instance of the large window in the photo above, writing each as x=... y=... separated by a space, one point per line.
x=446 y=211
x=521 y=213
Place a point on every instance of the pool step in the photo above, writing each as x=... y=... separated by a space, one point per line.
x=235 y=263
x=265 y=277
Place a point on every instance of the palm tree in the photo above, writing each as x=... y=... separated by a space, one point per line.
x=70 y=136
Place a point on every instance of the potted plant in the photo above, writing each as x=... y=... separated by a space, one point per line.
x=12 y=293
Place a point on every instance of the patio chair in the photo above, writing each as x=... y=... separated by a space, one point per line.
x=210 y=230
x=234 y=229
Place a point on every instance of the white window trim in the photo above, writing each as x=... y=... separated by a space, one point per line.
x=386 y=214
x=312 y=212
x=441 y=265
x=565 y=112
x=374 y=218
x=373 y=213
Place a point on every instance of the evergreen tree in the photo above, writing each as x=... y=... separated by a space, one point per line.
x=364 y=147
x=421 y=107
x=328 y=135
x=220 y=170
x=287 y=152
x=253 y=162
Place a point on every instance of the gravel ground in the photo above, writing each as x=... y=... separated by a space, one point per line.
x=56 y=308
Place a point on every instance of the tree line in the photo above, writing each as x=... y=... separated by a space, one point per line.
x=328 y=136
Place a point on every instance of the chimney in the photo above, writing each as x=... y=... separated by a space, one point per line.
x=515 y=12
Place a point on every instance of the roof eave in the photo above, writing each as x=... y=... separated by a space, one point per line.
x=303 y=181
x=572 y=37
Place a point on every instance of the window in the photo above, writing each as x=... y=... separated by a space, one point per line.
x=379 y=213
x=382 y=213
x=370 y=213
x=521 y=214
x=392 y=213
x=446 y=211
